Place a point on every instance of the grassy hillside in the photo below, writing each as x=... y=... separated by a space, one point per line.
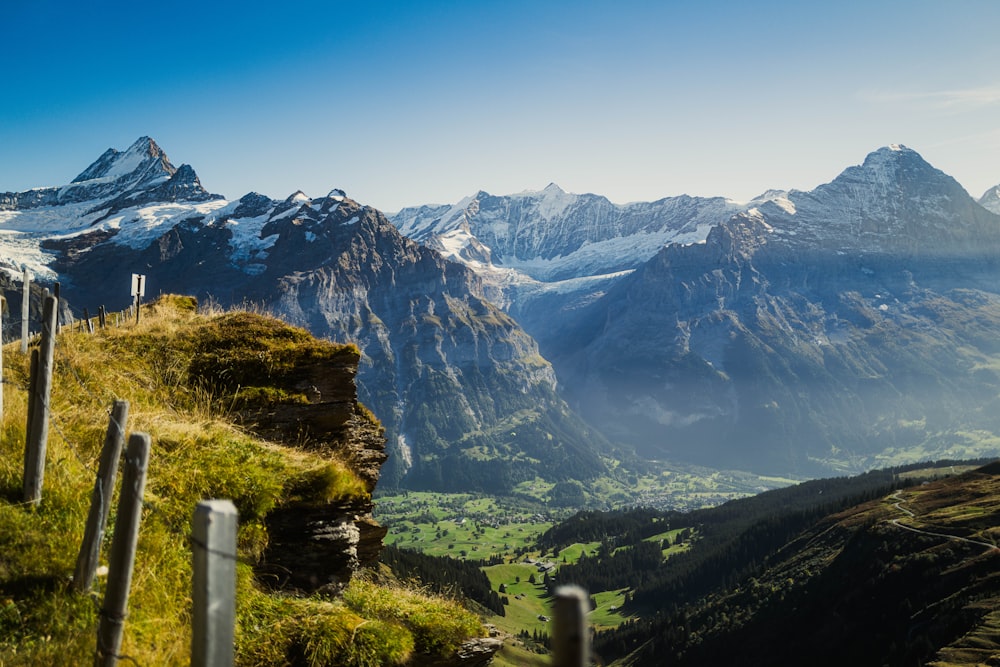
x=189 y=396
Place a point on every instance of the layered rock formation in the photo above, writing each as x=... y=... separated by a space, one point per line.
x=293 y=389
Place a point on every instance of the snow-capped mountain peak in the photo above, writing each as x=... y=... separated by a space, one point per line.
x=144 y=156
x=131 y=195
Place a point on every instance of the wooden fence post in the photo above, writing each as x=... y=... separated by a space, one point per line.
x=213 y=616
x=2 y=301
x=38 y=426
x=100 y=499
x=55 y=292
x=122 y=558
x=570 y=636
x=25 y=300
x=102 y=317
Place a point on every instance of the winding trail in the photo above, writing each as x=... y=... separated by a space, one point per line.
x=909 y=513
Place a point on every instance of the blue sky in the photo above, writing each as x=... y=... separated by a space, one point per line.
x=403 y=103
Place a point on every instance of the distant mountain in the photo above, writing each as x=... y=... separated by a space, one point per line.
x=467 y=401
x=991 y=199
x=816 y=331
x=116 y=180
x=544 y=254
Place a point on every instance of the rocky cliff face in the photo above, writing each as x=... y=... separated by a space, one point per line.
x=290 y=388
x=829 y=330
x=464 y=394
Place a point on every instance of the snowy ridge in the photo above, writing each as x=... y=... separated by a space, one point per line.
x=551 y=235
x=538 y=245
x=132 y=199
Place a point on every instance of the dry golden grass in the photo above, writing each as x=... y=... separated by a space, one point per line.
x=198 y=452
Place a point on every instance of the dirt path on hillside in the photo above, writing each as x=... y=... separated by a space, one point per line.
x=910 y=515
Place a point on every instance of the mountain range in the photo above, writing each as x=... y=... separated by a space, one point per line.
x=809 y=332
x=465 y=398
x=802 y=332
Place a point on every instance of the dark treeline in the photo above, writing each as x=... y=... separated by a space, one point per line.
x=625 y=526
x=444 y=575
x=604 y=572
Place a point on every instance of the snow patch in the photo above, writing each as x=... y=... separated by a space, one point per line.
x=141 y=226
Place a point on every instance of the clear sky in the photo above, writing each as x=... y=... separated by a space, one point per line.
x=404 y=103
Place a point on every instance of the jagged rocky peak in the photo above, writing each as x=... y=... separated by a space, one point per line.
x=121 y=179
x=144 y=159
x=252 y=205
x=894 y=202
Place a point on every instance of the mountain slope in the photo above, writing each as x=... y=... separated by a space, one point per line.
x=906 y=579
x=467 y=401
x=827 y=330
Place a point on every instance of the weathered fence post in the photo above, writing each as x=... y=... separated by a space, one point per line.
x=55 y=292
x=570 y=636
x=100 y=499
x=32 y=388
x=122 y=558
x=38 y=425
x=25 y=299
x=213 y=616
x=102 y=317
x=2 y=302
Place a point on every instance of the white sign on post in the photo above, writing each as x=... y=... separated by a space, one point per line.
x=138 y=284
